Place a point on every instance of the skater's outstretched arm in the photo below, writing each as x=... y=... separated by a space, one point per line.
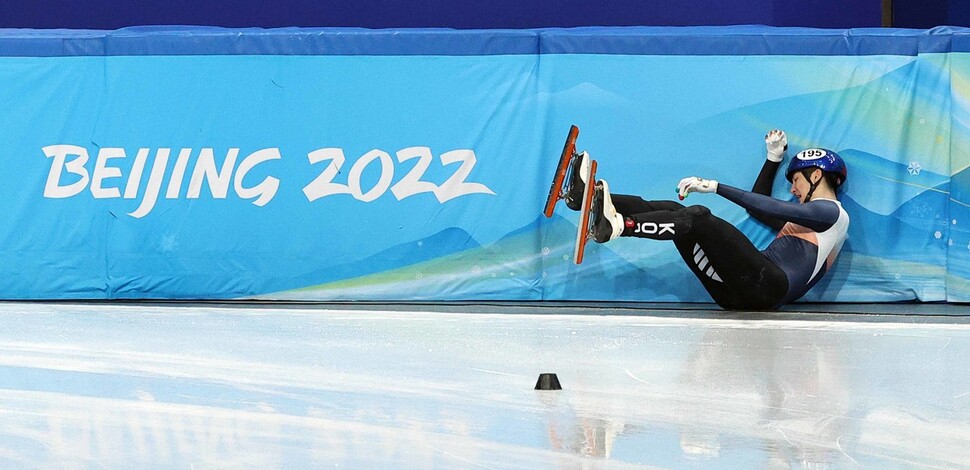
x=818 y=214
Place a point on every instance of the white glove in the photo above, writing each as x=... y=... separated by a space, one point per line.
x=694 y=184
x=777 y=143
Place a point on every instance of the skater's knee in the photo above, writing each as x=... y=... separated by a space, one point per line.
x=697 y=212
x=694 y=218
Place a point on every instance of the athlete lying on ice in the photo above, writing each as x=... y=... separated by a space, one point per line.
x=737 y=275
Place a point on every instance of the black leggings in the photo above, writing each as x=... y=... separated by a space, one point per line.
x=734 y=272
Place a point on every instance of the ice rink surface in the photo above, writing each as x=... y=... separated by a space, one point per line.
x=416 y=386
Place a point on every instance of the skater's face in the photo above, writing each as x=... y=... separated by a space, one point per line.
x=800 y=185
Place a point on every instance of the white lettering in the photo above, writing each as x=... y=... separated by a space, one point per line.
x=323 y=184
x=69 y=175
x=154 y=184
x=205 y=168
x=266 y=189
x=651 y=228
x=387 y=174
x=59 y=153
x=134 y=179
x=411 y=184
x=102 y=172
x=456 y=185
x=178 y=173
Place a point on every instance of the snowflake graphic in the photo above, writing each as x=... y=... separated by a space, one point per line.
x=921 y=209
x=168 y=243
x=914 y=168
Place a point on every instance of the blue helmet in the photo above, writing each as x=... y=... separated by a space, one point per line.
x=824 y=159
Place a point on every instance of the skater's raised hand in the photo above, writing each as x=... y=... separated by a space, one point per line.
x=693 y=184
x=777 y=143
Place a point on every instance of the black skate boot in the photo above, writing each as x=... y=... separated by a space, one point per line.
x=607 y=223
x=575 y=185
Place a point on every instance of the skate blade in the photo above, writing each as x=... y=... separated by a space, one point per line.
x=584 y=230
x=556 y=191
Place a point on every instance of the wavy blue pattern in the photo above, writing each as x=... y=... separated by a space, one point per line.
x=883 y=114
x=895 y=104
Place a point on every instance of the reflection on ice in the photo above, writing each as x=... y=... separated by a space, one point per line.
x=784 y=388
x=135 y=386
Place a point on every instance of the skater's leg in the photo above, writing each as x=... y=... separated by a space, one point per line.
x=611 y=215
x=731 y=268
x=736 y=274
x=626 y=204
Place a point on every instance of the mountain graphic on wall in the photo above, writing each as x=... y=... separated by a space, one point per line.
x=909 y=228
x=898 y=207
x=532 y=262
x=440 y=245
x=919 y=223
x=605 y=275
x=958 y=263
x=960 y=187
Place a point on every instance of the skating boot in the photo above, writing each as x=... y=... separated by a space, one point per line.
x=575 y=182
x=607 y=223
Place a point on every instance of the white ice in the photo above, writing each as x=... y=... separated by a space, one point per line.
x=135 y=386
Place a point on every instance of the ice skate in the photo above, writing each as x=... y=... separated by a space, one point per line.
x=585 y=228
x=575 y=180
x=607 y=224
x=561 y=181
